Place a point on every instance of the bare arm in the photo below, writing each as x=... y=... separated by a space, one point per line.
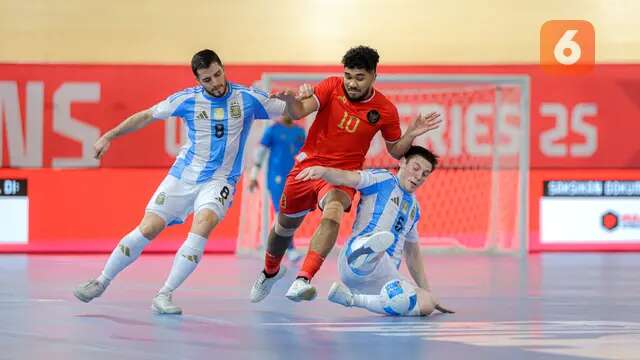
x=331 y=175
x=298 y=106
x=259 y=156
x=415 y=265
x=132 y=123
x=421 y=125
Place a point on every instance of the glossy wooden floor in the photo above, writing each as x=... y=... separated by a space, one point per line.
x=553 y=306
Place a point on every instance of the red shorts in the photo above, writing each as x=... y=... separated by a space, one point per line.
x=300 y=197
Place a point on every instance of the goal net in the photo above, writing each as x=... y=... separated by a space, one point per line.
x=475 y=201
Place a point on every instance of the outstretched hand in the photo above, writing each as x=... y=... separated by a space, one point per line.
x=100 y=147
x=424 y=123
x=311 y=173
x=284 y=95
x=444 y=310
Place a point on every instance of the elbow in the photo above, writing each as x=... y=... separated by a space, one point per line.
x=395 y=153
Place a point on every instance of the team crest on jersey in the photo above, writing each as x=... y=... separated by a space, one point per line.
x=342 y=99
x=234 y=110
x=373 y=116
x=218 y=114
x=413 y=213
x=160 y=199
x=202 y=115
x=405 y=206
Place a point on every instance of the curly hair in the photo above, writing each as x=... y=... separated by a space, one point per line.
x=361 y=57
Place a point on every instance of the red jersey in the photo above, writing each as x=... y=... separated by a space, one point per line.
x=342 y=130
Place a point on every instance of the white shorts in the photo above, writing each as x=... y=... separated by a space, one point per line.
x=371 y=283
x=174 y=199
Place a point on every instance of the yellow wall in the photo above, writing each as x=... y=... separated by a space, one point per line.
x=304 y=31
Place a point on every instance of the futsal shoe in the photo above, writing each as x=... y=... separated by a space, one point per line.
x=262 y=287
x=301 y=290
x=369 y=248
x=162 y=304
x=340 y=294
x=90 y=290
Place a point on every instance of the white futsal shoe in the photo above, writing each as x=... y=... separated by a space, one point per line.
x=301 y=290
x=340 y=294
x=368 y=249
x=262 y=287
x=163 y=304
x=89 y=290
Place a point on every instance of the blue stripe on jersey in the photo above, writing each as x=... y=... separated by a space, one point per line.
x=259 y=112
x=396 y=231
x=381 y=202
x=186 y=108
x=217 y=145
x=246 y=126
x=369 y=189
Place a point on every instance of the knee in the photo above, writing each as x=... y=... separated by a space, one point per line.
x=333 y=212
x=284 y=229
x=204 y=221
x=151 y=226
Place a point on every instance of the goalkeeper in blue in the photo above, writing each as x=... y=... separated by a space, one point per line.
x=384 y=231
x=282 y=141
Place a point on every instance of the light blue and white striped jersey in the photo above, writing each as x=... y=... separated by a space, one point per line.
x=385 y=206
x=217 y=129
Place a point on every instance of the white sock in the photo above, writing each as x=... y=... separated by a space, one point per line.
x=186 y=260
x=372 y=303
x=127 y=251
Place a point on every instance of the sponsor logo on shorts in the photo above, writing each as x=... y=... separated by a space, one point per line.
x=161 y=198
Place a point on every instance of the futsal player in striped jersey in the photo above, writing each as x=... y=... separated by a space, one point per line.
x=217 y=115
x=385 y=230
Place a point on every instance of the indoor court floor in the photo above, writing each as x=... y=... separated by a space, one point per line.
x=553 y=306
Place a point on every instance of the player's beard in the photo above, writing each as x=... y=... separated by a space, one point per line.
x=224 y=91
x=358 y=98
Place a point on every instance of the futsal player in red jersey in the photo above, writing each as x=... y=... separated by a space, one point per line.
x=350 y=112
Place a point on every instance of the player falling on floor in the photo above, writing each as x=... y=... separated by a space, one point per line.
x=350 y=113
x=217 y=115
x=282 y=141
x=385 y=228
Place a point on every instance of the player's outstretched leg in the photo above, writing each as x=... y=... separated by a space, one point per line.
x=279 y=238
x=396 y=298
x=323 y=240
x=186 y=260
x=365 y=252
x=128 y=250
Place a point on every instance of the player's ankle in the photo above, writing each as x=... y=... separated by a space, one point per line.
x=303 y=278
x=270 y=275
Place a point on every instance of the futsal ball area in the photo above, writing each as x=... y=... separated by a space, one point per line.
x=551 y=306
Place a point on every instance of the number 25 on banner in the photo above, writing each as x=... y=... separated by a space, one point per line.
x=567 y=46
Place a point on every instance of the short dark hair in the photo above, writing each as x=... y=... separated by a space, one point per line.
x=203 y=59
x=415 y=150
x=361 y=57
